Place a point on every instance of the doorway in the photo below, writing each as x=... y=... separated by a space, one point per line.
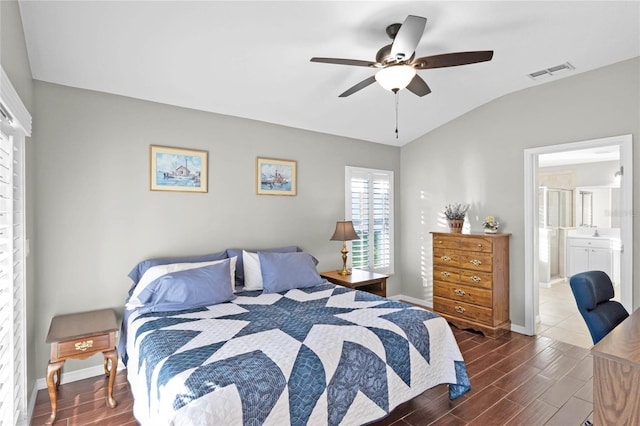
x=553 y=214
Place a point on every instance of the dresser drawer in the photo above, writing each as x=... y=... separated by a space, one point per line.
x=476 y=261
x=463 y=310
x=88 y=345
x=446 y=257
x=484 y=245
x=446 y=274
x=446 y=241
x=476 y=279
x=477 y=296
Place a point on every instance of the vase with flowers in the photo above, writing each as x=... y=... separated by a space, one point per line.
x=490 y=225
x=455 y=214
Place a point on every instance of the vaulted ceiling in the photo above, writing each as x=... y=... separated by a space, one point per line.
x=251 y=58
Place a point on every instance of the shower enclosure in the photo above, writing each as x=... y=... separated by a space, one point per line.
x=556 y=207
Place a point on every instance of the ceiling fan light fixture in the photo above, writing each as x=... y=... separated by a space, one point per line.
x=395 y=77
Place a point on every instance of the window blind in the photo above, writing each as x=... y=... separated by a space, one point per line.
x=12 y=292
x=370 y=207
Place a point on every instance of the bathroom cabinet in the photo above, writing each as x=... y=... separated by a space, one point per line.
x=591 y=254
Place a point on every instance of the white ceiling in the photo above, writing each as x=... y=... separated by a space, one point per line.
x=251 y=59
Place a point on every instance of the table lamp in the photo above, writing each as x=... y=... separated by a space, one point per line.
x=344 y=232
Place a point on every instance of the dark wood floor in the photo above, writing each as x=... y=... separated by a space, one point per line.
x=516 y=380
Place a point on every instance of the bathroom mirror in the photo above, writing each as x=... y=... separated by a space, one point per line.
x=594 y=206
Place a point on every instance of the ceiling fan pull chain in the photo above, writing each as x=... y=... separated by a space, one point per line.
x=396 y=93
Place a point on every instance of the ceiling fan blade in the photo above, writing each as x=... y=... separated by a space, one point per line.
x=344 y=62
x=452 y=59
x=408 y=37
x=359 y=86
x=418 y=86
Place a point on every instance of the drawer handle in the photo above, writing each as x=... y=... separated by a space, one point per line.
x=475 y=262
x=460 y=309
x=445 y=274
x=439 y=241
x=475 y=278
x=445 y=258
x=480 y=245
x=83 y=346
x=459 y=292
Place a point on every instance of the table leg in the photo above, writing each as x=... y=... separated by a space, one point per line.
x=57 y=376
x=112 y=356
x=53 y=381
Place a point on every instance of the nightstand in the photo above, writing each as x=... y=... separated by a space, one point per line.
x=361 y=280
x=79 y=336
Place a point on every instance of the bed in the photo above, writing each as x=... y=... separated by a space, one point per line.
x=293 y=350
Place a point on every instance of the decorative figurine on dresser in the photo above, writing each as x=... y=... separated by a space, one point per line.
x=471 y=281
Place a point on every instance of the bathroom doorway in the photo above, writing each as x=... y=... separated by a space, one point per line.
x=574 y=193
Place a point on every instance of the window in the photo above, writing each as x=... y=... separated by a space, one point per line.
x=13 y=369
x=369 y=204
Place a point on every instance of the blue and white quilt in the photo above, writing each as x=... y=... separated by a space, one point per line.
x=324 y=355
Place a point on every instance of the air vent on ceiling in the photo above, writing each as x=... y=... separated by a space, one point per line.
x=549 y=72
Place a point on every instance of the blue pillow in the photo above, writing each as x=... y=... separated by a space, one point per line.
x=188 y=289
x=286 y=271
x=240 y=263
x=138 y=271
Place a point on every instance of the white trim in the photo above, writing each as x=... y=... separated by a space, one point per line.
x=518 y=329
x=14 y=105
x=74 y=376
x=530 y=241
x=625 y=142
x=16 y=127
x=32 y=403
x=402 y=297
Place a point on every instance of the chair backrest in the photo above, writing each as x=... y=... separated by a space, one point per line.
x=593 y=291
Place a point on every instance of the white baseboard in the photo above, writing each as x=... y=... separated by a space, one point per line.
x=74 y=376
x=411 y=299
x=519 y=329
x=31 y=403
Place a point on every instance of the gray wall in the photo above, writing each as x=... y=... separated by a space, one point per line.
x=478 y=159
x=15 y=62
x=97 y=217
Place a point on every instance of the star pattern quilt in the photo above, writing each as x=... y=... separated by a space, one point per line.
x=324 y=355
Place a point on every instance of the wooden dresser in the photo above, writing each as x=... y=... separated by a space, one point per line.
x=471 y=281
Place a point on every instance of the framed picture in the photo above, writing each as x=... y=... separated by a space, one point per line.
x=275 y=177
x=178 y=169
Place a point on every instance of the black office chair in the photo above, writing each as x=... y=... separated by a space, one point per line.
x=593 y=291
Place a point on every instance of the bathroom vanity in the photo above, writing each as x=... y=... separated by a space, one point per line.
x=589 y=253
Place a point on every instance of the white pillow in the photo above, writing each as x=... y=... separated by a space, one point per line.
x=252 y=271
x=156 y=272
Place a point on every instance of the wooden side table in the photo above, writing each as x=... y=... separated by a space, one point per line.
x=362 y=280
x=79 y=336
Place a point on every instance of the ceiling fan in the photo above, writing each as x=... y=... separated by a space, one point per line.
x=396 y=62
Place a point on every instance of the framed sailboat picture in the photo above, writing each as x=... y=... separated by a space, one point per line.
x=178 y=169
x=275 y=177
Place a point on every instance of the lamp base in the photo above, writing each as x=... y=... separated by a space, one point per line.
x=344 y=252
x=344 y=272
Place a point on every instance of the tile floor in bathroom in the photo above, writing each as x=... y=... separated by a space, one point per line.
x=559 y=316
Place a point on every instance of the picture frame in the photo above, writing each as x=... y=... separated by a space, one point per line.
x=178 y=169
x=276 y=177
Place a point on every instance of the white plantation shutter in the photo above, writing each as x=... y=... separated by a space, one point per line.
x=369 y=204
x=13 y=120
